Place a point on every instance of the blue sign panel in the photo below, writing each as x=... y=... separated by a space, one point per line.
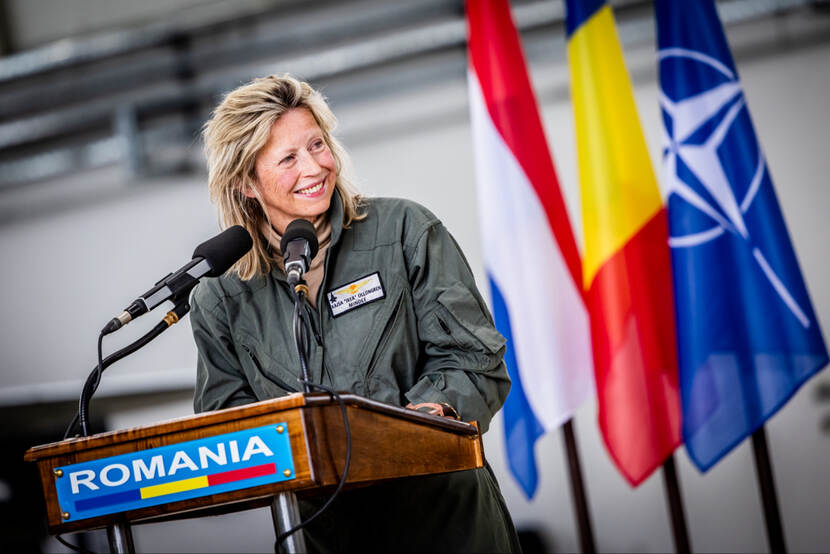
x=192 y=469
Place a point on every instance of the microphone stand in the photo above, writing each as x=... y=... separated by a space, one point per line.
x=301 y=331
x=181 y=300
x=281 y=509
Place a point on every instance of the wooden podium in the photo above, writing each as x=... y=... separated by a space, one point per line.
x=388 y=442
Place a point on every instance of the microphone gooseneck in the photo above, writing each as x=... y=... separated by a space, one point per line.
x=299 y=246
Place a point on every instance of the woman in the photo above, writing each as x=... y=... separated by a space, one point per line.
x=423 y=338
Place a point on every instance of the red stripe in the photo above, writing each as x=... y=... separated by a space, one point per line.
x=631 y=304
x=240 y=474
x=497 y=60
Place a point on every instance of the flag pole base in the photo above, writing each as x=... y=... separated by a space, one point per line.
x=580 y=499
x=766 y=484
x=678 y=517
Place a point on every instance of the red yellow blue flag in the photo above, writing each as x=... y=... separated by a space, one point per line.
x=626 y=266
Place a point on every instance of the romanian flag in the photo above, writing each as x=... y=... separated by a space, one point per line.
x=530 y=254
x=626 y=266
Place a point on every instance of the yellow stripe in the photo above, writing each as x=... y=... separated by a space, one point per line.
x=175 y=486
x=619 y=190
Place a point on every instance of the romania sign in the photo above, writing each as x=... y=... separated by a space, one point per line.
x=192 y=469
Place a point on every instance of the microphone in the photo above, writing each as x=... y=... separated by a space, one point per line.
x=299 y=246
x=212 y=258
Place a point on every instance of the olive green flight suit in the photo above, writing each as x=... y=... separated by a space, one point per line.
x=430 y=338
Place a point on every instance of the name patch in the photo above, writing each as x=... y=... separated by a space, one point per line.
x=355 y=294
x=212 y=465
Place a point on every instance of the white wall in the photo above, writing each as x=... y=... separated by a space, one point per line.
x=66 y=275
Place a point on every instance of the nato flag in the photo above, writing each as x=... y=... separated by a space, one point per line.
x=747 y=334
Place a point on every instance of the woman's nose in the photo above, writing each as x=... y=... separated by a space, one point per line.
x=308 y=164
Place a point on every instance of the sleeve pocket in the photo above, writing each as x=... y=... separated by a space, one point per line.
x=463 y=319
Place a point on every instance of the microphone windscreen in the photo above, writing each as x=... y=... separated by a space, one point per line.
x=300 y=229
x=225 y=249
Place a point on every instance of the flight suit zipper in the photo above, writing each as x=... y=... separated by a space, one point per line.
x=279 y=382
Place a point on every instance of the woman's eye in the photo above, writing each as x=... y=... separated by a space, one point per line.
x=317 y=144
x=287 y=159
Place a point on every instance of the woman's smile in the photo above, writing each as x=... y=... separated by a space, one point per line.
x=313 y=191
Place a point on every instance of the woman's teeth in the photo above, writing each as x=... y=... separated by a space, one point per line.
x=312 y=190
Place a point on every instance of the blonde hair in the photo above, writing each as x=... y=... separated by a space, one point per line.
x=238 y=129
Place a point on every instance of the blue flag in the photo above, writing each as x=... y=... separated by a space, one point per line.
x=747 y=334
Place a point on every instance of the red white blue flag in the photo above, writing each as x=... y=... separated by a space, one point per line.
x=531 y=257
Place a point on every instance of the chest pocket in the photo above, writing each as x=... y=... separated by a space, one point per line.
x=268 y=378
x=375 y=328
x=462 y=319
x=388 y=334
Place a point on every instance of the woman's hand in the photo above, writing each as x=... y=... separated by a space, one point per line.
x=434 y=408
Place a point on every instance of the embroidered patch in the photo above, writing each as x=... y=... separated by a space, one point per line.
x=355 y=294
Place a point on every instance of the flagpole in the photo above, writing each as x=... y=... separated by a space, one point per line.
x=580 y=499
x=766 y=483
x=678 y=517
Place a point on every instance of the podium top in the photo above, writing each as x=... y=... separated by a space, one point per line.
x=296 y=400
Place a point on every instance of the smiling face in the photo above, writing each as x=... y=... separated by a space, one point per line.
x=295 y=170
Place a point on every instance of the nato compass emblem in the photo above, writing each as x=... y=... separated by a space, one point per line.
x=694 y=129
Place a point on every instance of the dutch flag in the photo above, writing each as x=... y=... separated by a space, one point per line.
x=531 y=257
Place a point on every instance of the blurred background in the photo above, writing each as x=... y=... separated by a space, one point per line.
x=103 y=192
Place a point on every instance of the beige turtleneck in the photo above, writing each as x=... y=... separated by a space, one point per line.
x=314 y=276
